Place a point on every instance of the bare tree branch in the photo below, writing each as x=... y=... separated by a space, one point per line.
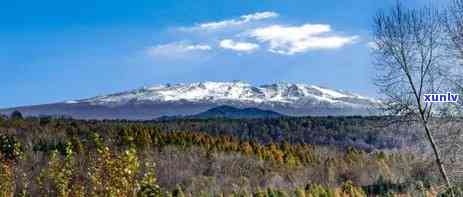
x=408 y=56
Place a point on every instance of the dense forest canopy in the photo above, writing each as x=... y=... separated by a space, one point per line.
x=217 y=156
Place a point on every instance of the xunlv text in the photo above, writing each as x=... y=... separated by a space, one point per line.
x=441 y=98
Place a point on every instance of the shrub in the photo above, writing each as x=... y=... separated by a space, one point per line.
x=349 y=190
x=259 y=193
x=178 y=192
x=299 y=192
x=148 y=185
x=112 y=174
x=57 y=177
x=316 y=190
x=10 y=148
x=6 y=179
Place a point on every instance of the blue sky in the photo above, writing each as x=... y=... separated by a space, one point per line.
x=59 y=50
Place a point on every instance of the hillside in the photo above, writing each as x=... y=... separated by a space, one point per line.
x=236 y=113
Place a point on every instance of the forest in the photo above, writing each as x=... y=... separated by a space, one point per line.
x=52 y=156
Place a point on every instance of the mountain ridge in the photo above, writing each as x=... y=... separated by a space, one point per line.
x=188 y=99
x=235 y=90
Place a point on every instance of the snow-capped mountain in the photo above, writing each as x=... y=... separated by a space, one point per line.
x=238 y=91
x=187 y=99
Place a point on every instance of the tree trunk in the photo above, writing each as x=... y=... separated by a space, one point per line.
x=439 y=162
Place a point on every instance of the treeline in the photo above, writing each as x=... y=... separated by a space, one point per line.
x=366 y=133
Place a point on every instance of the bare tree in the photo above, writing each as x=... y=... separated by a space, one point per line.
x=450 y=136
x=454 y=26
x=408 y=54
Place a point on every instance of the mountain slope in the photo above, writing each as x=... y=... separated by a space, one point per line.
x=232 y=112
x=230 y=91
x=188 y=99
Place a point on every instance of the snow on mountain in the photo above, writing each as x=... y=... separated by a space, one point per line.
x=236 y=91
x=188 y=99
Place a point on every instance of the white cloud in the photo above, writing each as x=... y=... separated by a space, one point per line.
x=238 y=46
x=258 y=16
x=175 y=48
x=198 y=47
x=233 y=22
x=275 y=38
x=290 y=40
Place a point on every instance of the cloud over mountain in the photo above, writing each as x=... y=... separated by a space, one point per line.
x=270 y=35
